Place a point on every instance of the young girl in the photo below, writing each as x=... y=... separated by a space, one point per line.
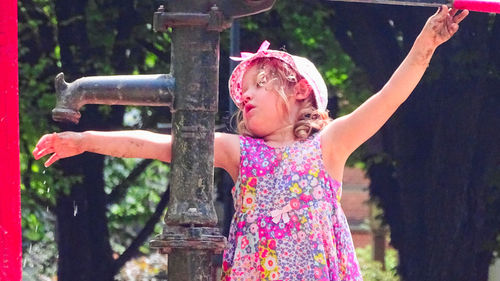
x=287 y=163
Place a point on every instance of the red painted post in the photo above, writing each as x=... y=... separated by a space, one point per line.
x=10 y=199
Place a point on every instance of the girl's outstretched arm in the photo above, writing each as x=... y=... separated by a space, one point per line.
x=129 y=144
x=342 y=136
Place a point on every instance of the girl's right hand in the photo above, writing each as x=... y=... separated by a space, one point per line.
x=441 y=26
x=62 y=145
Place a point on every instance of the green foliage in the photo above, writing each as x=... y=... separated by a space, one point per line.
x=128 y=215
x=372 y=270
x=39 y=259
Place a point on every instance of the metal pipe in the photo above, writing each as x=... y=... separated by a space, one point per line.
x=418 y=3
x=485 y=6
x=145 y=90
x=190 y=236
x=235 y=51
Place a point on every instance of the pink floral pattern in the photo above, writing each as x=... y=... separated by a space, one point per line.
x=288 y=223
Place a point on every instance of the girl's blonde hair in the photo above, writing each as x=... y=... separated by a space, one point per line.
x=310 y=119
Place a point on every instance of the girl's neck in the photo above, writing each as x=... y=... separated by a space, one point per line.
x=281 y=137
x=285 y=135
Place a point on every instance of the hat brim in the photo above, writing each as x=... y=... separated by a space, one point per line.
x=301 y=65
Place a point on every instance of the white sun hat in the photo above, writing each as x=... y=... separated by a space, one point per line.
x=301 y=65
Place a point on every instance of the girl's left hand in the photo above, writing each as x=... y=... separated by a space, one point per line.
x=441 y=26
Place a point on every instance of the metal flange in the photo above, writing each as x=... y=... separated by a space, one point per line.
x=213 y=20
x=189 y=237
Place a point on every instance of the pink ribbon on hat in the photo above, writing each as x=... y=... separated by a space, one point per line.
x=245 y=55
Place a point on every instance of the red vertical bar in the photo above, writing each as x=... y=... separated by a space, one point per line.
x=10 y=198
x=487 y=6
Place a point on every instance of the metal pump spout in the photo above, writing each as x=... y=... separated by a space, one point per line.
x=149 y=90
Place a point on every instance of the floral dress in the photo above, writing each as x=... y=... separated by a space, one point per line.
x=288 y=223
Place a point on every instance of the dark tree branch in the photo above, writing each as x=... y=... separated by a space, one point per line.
x=119 y=191
x=132 y=250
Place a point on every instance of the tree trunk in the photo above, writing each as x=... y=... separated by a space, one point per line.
x=443 y=141
x=83 y=241
x=82 y=235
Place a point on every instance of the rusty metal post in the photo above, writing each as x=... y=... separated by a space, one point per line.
x=190 y=236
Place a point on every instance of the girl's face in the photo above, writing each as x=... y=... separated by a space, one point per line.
x=264 y=110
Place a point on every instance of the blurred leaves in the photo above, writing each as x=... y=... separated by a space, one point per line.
x=372 y=270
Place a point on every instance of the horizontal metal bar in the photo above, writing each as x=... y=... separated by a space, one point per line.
x=436 y=3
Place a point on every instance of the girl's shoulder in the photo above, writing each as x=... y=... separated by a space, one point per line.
x=225 y=142
x=227 y=152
